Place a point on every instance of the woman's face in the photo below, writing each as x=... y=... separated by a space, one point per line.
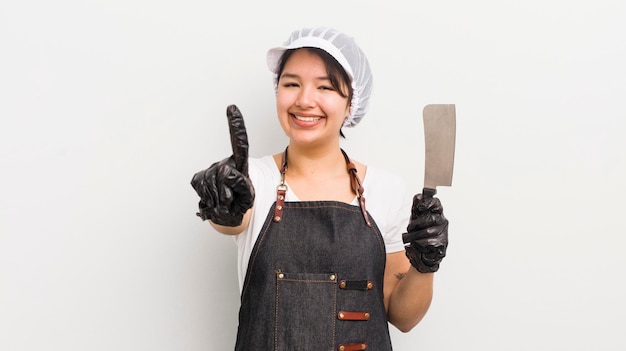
x=310 y=110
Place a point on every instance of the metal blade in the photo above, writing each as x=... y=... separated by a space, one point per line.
x=439 y=136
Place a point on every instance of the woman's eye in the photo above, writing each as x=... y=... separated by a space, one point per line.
x=290 y=84
x=325 y=87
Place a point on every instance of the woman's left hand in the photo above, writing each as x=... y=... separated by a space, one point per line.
x=427 y=234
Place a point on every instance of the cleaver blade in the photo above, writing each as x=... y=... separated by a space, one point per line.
x=439 y=138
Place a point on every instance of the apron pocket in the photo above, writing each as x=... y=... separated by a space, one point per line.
x=305 y=311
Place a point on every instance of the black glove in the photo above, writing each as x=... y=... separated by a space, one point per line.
x=427 y=233
x=225 y=190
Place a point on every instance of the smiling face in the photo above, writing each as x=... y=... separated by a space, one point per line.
x=310 y=110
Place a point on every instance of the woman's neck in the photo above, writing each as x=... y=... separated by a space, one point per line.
x=306 y=162
x=318 y=174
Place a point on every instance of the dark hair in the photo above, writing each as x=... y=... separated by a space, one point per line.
x=338 y=76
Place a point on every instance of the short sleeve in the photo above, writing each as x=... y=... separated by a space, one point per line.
x=389 y=202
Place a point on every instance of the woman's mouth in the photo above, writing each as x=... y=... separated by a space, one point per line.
x=307 y=118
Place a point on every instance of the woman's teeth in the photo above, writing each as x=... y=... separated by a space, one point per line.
x=307 y=119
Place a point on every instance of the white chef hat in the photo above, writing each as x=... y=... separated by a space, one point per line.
x=345 y=50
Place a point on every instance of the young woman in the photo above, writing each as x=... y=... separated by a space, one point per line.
x=320 y=267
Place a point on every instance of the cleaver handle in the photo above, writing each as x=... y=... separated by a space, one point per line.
x=428 y=193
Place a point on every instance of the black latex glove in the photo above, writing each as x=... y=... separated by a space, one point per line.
x=225 y=190
x=427 y=233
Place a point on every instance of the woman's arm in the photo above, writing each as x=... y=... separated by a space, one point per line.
x=407 y=292
x=426 y=241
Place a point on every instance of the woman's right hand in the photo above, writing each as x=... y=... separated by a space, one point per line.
x=225 y=189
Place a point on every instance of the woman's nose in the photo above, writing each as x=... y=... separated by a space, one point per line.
x=306 y=98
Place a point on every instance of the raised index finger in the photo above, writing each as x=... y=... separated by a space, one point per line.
x=238 y=138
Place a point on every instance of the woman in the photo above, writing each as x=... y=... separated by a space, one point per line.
x=321 y=268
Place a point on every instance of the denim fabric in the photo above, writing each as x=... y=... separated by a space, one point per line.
x=291 y=296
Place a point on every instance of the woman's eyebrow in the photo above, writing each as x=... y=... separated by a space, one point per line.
x=295 y=76
x=289 y=75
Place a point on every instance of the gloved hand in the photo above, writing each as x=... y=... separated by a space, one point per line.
x=427 y=233
x=225 y=190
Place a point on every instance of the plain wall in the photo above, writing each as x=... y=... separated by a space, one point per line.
x=109 y=107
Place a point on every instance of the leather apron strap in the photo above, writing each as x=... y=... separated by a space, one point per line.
x=355 y=183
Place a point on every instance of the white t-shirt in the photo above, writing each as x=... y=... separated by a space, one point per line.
x=387 y=201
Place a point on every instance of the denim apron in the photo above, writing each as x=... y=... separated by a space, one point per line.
x=315 y=278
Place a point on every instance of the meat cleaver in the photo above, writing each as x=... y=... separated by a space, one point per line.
x=439 y=138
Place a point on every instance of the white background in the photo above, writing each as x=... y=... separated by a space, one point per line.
x=109 y=107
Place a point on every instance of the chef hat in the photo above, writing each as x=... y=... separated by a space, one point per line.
x=345 y=50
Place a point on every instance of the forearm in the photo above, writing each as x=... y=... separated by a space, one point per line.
x=426 y=242
x=410 y=299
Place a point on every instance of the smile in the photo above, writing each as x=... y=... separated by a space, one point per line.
x=307 y=119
